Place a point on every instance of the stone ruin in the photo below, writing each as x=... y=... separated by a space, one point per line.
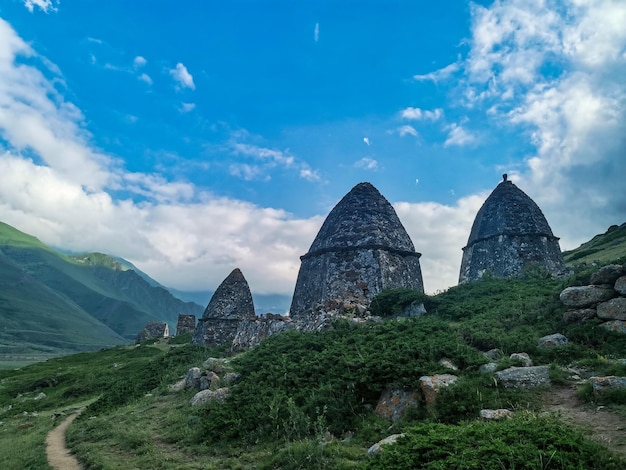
x=230 y=305
x=510 y=234
x=153 y=330
x=361 y=250
x=186 y=324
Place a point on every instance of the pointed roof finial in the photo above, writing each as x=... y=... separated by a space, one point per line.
x=505 y=177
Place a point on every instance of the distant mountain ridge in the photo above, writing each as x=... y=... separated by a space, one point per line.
x=57 y=303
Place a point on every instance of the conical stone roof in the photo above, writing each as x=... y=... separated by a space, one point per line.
x=230 y=304
x=509 y=234
x=361 y=250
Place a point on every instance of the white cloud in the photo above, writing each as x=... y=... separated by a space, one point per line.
x=139 y=62
x=407 y=130
x=309 y=174
x=367 y=163
x=458 y=136
x=417 y=114
x=187 y=107
x=316 y=32
x=44 y=5
x=144 y=77
x=441 y=74
x=182 y=76
x=367 y=141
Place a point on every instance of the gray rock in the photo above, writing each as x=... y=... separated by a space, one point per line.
x=185 y=324
x=607 y=274
x=192 y=379
x=206 y=396
x=585 y=296
x=431 y=385
x=600 y=385
x=521 y=357
x=618 y=326
x=488 y=368
x=215 y=364
x=448 y=364
x=509 y=234
x=495 y=415
x=414 y=310
x=620 y=285
x=361 y=250
x=231 y=378
x=579 y=315
x=394 y=403
x=378 y=447
x=230 y=305
x=209 y=380
x=614 y=309
x=252 y=331
x=494 y=354
x=551 y=341
x=523 y=377
x=178 y=386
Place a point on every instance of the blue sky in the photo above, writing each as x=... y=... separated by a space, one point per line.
x=194 y=139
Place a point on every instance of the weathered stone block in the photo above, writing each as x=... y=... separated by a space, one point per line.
x=394 y=403
x=206 y=396
x=523 y=358
x=585 y=296
x=495 y=415
x=579 y=315
x=614 y=309
x=601 y=385
x=185 y=324
x=551 y=341
x=494 y=354
x=431 y=385
x=607 y=274
x=523 y=377
x=488 y=368
x=620 y=285
x=618 y=326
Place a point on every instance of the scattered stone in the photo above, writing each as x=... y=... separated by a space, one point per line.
x=509 y=234
x=521 y=357
x=488 y=368
x=153 y=330
x=523 y=377
x=607 y=275
x=192 y=379
x=620 y=285
x=601 y=385
x=614 y=309
x=431 y=385
x=551 y=341
x=206 y=396
x=414 y=310
x=209 y=380
x=618 y=326
x=394 y=403
x=579 y=315
x=494 y=415
x=178 y=386
x=185 y=324
x=448 y=364
x=494 y=354
x=585 y=296
x=40 y=396
x=214 y=364
x=230 y=305
x=231 y=378
x=361 y=250
x=378 y=447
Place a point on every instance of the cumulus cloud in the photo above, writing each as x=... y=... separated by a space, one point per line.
x=458 y=136
x=417 y=114
x=366 y=163
x=144 y=77
x=187 y=107
x=139 y=62
x=182 y=76
x=44 y=5
x=407 y=130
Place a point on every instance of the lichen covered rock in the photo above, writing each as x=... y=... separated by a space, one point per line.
x=509 y=234
x=361 y=250
x=585 y=296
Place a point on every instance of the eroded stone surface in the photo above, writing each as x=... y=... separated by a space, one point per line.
x=431 y=385
x=614 y=309
x=509 y=234
x=607 y=274
x=620 y=285
x=206 y=396
x=585 y=296
x=523 y=377
x=551 y=341
x=378 y=447
x=579 y=315
x=618 y=326
x=185 y=324
x=394 y=403
x=361 y=250
x=495 y=415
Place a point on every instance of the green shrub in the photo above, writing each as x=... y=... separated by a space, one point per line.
x=394 y=301
x=525 y=443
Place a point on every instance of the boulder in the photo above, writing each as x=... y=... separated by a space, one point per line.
x=209 y=380
x=394 y=403
x=579 y=315
x=521 y=357
x=614 y=309
x=178 y=386
x=618 y=326
x=494 y=354
x=413 y=310
x=494 y=415
x=601 y=385
x=215 y=364
x=607 y=275
x=206 y=396
x=620 y=285
x=551 y=341
x=585 y=296
x=378 y=447
x=523 y=377
x=447 y=363
x=431 y=385
x=488 y=368
x=231 y=377
x=192 y=379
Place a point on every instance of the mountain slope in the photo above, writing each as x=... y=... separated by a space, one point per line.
x=102 y=286
x=605 y=247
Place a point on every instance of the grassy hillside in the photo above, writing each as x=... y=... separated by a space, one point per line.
x=116 y=298
x=602 y=248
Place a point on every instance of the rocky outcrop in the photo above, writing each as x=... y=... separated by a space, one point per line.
x=361 y=250
x=523 y=377
x=186 y=324
x=230 y=305
x=206 y=396
x=509 y=234
x=604 y=300
x=552 y=341
x=395 y=402
x=153 y=330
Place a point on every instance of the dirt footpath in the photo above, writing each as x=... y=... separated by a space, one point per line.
x=59 y=456
x=600 y=425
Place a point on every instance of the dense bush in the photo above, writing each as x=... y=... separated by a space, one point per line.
x=394 y=301
x=526 y=443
